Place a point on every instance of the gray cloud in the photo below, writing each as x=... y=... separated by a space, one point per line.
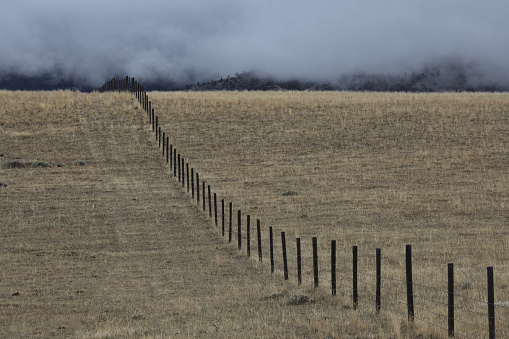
x=315 y=40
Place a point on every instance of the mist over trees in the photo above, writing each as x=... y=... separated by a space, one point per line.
x=437 y=77
x=450 y=75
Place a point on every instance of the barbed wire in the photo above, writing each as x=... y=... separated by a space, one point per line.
x=392 y=296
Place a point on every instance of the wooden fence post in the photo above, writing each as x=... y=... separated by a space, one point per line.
x=248 y=235
x=409 y=283
x=192 y=183
x=239 y=230
x=203 y=192
x=175 y=163
x=299 y=264
x=215 y=209
x=315 y=260
x=333 y=266
x=178 y=165
x=197 y=188
x=259 y=237
x=491 y=303
x=222 y=217
x=271 y=249
x=210 y=201
x=378 y=278
x=285 y=259
x=230 y=206
x=354 y=279
x=450 y=303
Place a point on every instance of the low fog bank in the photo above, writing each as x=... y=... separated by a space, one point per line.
x=445 y=75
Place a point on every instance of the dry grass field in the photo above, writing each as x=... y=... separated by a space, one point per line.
x=108 y=246
x=370 y=169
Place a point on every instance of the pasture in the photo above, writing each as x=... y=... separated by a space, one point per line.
x=115 y=248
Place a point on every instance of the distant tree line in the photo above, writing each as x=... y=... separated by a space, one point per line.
x=446 y=76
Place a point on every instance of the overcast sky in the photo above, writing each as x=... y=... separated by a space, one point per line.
x=289 y=38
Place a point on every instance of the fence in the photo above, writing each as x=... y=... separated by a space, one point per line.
x=398 y=296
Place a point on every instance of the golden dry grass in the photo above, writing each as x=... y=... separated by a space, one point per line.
x=370 y=169
x=116 y=249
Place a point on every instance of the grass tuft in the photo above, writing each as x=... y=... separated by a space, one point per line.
x=79 y=162
x=43 y=164
x=14 y=164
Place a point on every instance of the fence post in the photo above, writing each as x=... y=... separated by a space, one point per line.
x=409 y=283
x=285 y=260
x=192 y=183
x=222 y=217
x=354 y=279
x=203 y=192
x=259 y=237
x=315 y=260
x=450 y=304
x=248 y=234
x=378 y=278
x=178 y=165
x=197 y=188
x=158 y=135
x=239 y=230
x=299 y=264
x=491 y=303
x=271 y=249
x=210 y=201
x=215 y=209
x=175 y=164
x=333 y=266
x=231 y=222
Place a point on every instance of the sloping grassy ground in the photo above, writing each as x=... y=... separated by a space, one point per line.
x=109 y=246
x=376 y=170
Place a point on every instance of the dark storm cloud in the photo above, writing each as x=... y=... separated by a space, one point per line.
x=189 y=40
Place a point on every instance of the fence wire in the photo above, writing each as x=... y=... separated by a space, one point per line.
x=307 y=265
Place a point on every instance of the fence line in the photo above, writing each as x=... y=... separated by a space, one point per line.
x=180 y=168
